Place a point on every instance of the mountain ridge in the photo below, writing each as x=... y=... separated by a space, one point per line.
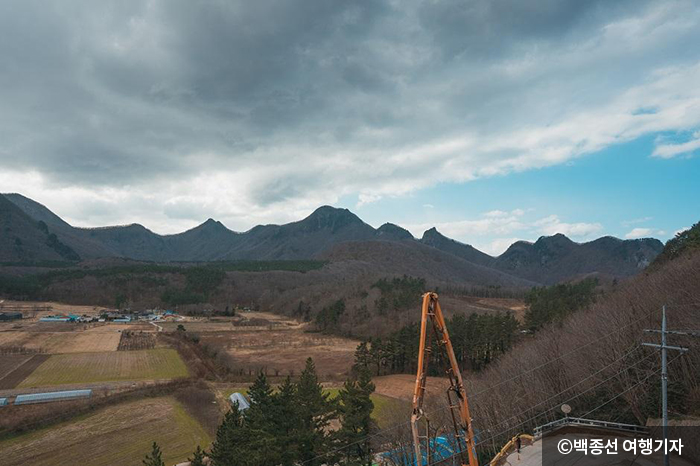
x=548 y=260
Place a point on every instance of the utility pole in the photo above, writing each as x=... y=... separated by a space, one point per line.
x=664 y=370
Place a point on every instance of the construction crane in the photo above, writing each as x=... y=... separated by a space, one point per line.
x=456 y=395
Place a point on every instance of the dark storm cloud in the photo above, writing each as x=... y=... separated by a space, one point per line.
x=488 y=29
x=306 y=100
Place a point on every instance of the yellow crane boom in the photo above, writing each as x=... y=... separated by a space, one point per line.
x=456 y=395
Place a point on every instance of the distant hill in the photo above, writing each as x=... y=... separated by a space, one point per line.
x=24 y=239
x=552 y=259
x=329 y=233
x=411 y=257
x=434 y=238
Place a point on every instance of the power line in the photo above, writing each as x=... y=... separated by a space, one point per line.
x=591 y=411
x=565 y=354
x=630 y=388
x=574 y=385
x=568 y=400
x=489 y=389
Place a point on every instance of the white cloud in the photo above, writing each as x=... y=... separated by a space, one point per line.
x=552 y=225
x=636 y=220
x=498 y=246
x=639 y=233
x=675 y=233
x=667 y=151
x=367 y=199
x=497 y=224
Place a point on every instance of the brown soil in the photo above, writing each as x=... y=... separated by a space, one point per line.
x=132 y=340
x=401 y=386
x=10 y=362
x=14 y=378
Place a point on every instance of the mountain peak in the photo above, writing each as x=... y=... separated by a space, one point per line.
x=210 y=222
x=432 y=237
x=391 y=231
x=327 y=210
x=432 y=233
x=556 y=239
x=328 y=217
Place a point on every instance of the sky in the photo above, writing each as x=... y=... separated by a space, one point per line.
x=491 y=120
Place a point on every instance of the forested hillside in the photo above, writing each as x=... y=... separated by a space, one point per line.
x=593 y=359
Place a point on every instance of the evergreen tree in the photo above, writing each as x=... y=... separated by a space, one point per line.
x=262 y=423
x=155 y=458
x=260 y=394
x=355 y=416
x=362 y=356
x=315 y=412
x=197 y=457
x=287 y=425
x=231 y=447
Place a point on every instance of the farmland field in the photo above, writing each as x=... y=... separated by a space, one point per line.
x=63 y=342
x=18 y=372
x=116 y=435
x=80 y=368
x=10 y=362
x=278 y=344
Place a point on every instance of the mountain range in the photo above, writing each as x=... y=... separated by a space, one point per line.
x=30 y=232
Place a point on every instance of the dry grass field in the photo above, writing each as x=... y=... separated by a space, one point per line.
x=78 y=368
x=40 y=308
x=116 y=435
x=401 y=386
x=63 y=342
x=278 y=344
x=286 y=352
x=63 y=337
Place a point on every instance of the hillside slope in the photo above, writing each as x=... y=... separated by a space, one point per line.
x=23 y=239
x=413 y=258
x=435 y=239
x=552 y=259
x=594 y=360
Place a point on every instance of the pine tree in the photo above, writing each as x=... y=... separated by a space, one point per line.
x=315 y=412
x=260 y=394
x=262 y=423
x=197 y=457
x=155 y=458
x=288 y=421
x=230 y=446
x=355 y=416
x=362 y=356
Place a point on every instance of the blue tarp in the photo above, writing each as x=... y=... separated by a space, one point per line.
x=441 y=448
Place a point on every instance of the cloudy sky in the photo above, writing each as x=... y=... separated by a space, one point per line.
x=492 y=120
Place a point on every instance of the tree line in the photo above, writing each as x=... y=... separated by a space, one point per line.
x=550 y=304
x=477 y=340
x=291 y=425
